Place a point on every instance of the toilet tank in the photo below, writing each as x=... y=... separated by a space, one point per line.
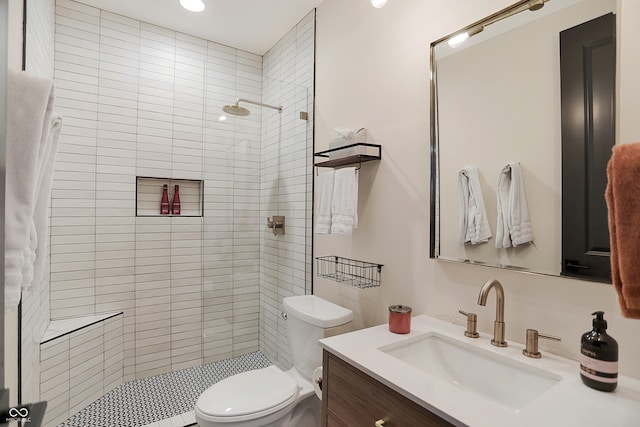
x=309 y=319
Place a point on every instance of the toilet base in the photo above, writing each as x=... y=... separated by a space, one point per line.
x=304 y=413
x=307 y=413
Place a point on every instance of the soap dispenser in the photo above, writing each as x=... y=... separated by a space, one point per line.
x=599 y=356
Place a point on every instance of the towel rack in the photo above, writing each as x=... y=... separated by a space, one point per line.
x=360 y=274
x=357 y=153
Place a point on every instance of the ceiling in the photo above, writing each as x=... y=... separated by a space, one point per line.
x=250 y=25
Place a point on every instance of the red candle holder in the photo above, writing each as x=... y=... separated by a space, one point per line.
x=400 y=319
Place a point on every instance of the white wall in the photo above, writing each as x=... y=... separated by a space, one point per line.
x=372 y=70
x=629 y=71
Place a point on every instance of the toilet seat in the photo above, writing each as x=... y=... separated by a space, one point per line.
x=249 y=395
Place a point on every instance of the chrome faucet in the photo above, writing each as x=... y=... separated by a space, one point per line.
x=498 y=325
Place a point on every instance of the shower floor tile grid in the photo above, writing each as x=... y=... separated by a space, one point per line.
x=158 y=399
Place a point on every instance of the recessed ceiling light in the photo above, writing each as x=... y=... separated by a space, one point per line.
x=192 y=5
x=378 y=3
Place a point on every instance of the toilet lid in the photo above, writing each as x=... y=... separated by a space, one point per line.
x=259 y=392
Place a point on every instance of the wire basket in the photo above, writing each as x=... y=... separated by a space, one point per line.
x=356 y=273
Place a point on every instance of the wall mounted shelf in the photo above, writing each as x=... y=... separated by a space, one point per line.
x=149 y=194
x=360 y=274
x=351 y=154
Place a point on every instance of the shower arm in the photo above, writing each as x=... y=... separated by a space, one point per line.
x=248 y=101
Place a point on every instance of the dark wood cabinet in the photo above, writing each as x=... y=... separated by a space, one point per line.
x=351 y=398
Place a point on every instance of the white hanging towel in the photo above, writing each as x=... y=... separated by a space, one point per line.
x=344 y=207
x=513 y=227
x=474 y=227
x=29 y=123
x=324 y=190
x=46 y=160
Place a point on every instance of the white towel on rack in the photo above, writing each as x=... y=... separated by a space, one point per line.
x=324 y=190
x=344 y=206
x=513 y=227
x=474 y=226
x=29 y=120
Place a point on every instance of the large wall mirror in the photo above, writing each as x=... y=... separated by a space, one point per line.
x=496 y=107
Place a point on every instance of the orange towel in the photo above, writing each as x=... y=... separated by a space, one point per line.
x=623 y=201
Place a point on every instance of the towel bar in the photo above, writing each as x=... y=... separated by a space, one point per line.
x=358 y=168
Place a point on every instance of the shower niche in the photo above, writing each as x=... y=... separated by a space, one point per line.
x=149 y=196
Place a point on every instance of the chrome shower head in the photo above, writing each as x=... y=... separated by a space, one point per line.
x=236 y=110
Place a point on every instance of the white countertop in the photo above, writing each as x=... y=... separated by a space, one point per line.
x=567 y=403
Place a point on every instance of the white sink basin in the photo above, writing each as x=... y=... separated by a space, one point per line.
x=501 y=379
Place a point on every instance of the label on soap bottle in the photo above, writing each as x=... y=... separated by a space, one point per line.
x=598 y=370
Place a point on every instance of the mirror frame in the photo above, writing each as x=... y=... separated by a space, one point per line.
x=434 y=184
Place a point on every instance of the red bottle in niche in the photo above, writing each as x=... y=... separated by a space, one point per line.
x=175 y=207
x=164 y=203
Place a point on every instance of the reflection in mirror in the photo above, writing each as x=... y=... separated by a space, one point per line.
x=495 y=102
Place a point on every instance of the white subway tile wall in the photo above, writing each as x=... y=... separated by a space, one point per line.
x=141 y=100
x=286 y=175
x=231 y=227
x=79 y=367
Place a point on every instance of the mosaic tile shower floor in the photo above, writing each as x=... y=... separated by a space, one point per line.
x=152 y=399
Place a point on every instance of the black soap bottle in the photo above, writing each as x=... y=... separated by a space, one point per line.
x=599 y=356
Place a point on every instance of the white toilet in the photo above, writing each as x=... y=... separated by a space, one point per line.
x=270 y=396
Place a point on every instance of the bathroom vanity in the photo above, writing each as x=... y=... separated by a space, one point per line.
x=352 y=398
x=435 y=376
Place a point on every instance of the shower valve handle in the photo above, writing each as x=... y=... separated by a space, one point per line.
x=276 y=224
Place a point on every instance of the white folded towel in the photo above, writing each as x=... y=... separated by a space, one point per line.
x=324 y=190
x=345 y=137
x=345 y=133
x=474 y=226
x=29 y=113
x=513 y=227
x=344 y=206
x=29 y=257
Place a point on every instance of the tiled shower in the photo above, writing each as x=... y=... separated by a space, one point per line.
x=141 y=101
